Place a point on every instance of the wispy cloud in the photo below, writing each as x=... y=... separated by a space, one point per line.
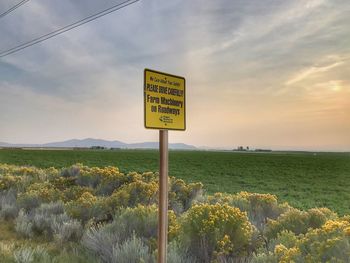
x=308 y=72
x=254 y=27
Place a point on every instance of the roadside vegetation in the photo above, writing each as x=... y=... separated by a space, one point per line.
x=100 y=214
x=304 y=180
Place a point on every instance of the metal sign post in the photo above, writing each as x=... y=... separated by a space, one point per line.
x=164 y=109
x=163 y=197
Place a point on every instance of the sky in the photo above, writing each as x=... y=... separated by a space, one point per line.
x=265 y=74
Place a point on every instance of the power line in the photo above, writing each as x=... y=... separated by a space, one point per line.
x=13 y=8
x=67 y=28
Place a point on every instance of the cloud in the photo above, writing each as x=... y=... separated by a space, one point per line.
x=312 y=71
x=251 y=62
x=262 y=21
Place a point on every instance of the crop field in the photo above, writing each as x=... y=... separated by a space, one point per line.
x=304 y=180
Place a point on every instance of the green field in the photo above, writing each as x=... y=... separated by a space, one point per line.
x=304 y=180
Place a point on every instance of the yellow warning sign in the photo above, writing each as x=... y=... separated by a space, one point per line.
x=164 y=101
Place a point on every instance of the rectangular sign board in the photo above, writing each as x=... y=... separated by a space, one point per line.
x=164 y=101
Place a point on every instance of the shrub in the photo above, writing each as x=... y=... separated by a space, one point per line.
x=330 y=243
x=28 y=255
x=8 y=205
x=36 y=194
x=72 y=171
x=141 y=221
x=75 y=192
x=28 y=201
x=210 y=231
x=285 y=238
x=265 y=258
x=135 y=193
x=81 y=208
x=182 y=195
x=24 y=255
x=132 y=250
x=101 y=242
x=259 y=207
x=23 y=224
x=318 y=216
x=298 y=221
x=287 y=254
x=177 y=254
x=51 y=172
x=88 y=206
x=149 y=177
x=9 y=211
x=46 y=191
x=19 y=170
x=50 y=221
x=9 y=181
x=69 y=230
x=62 y=183
x=88 y=180
x=110 y=183
x=53 y=208
x=92 y=177
x=7 y=197
x=134 y=177
x=26 y=171
x=46 y=216
x=35 y=175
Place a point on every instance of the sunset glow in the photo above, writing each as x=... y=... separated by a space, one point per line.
x=264 y=74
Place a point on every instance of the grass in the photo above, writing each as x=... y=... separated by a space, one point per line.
x=10 y=241
x=7 y=231
x=8 y=236
x=304 y=180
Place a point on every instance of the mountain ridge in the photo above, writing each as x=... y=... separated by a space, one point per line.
x=90 y=142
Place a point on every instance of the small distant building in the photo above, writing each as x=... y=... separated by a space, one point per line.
x=98 y=148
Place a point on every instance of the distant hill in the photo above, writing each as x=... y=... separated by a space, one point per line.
x=89 y=142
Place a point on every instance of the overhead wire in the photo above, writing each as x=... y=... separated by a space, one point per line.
x=13 y=8
x=67 y=28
